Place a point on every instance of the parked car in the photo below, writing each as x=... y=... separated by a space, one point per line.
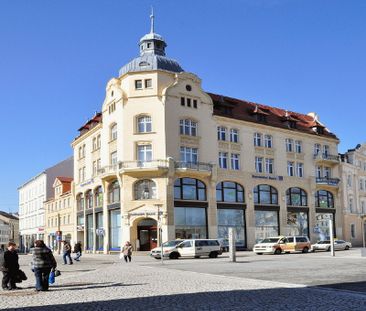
x=167 y=247
x=325 y=245
x=224 y=243
x=193 y=248
x=280 y=244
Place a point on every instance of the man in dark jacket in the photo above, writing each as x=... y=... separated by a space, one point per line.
x=43 y=262
x=10 y=267
x=77 y=251
x=67 y=253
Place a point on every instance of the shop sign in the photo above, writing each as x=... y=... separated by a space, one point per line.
x=99 y=231
x=144 y=213
x=280 y=178
x=90 y=181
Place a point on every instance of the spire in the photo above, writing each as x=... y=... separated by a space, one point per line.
x=152 y=30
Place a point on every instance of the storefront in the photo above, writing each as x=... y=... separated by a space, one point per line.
x=297 y=212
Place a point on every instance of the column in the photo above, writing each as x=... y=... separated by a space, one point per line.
x=94 y=225
x=105 y=217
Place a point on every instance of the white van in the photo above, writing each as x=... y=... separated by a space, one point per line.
x=195 y=248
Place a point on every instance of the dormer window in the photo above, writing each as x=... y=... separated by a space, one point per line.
x=260 y=114
x=261 y=118
x=149 y=45
x=138 y=84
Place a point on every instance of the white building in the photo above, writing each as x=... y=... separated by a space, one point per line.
x=32 y=195
x=4 y=234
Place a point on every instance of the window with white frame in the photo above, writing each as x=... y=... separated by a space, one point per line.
x=144 y=124
x=349 y=180
x=319 y=172
x=325 y=150
x=94 y=143
x=114 y=158
x=268 y=141
x=300 y=169
x=95 y=170
x=144 y=153
x=259 y=164
x=234 y=135
x=327 y=172
x=257 y=139
x=289 y=145
x=290 y=168
x=317 y=149
x=188 y=154
x=235 y=162
x=298 y=146
x=269 y=165
x=113 y=132
x=353 y=231
x=223 y=160
x=221 y=133
x=188 y=127
x=138 y=84
x=98 y=141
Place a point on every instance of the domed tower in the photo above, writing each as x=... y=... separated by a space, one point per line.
x=152 y=55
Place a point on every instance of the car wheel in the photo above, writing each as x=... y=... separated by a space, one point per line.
x=174 y=256
x=278 y=251
x=328 y=249
x=213 y=255
x=197 y=256
x=157 y=258
x=259 y=253
x=305 y=250
x=346 y=248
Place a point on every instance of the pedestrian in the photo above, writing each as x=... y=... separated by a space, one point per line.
x=9 y=267
x=127 y=251
x=43 y=262
x=67 y=253
x=77 y=251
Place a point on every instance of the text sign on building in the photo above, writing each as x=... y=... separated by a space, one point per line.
x=268 y=177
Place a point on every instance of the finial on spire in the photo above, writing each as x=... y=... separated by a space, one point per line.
x=152 y=20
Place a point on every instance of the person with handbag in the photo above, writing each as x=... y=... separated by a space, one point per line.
x=9 y=267
x=43 y=263
x=77 y=251
x=127 y=251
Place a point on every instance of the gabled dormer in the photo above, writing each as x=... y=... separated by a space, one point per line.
x=61 y=185
x=290 y=120
x=260 y=114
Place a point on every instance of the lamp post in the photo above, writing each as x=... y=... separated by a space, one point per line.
x=160 y=226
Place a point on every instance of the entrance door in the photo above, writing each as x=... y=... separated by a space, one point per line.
x=147 y=234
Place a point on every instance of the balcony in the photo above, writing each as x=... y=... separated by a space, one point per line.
x=193 y=168
x=326 y=158
x=328 y=182
x=143 y=168
x=109 y=170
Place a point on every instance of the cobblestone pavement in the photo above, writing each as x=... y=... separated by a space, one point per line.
x=105 y=283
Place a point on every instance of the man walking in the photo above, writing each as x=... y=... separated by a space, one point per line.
x=77 y=251
x=9 y=267
x=67 y=253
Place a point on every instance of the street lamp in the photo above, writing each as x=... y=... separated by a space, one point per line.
x=160 y=226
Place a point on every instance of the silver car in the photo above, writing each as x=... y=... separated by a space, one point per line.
x=325 y=245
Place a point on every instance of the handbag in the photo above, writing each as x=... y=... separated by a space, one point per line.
x=22 y=275
x=57 y=273
x=51 y=278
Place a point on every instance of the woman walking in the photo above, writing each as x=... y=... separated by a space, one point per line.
x=43 y=262
x=127 y=251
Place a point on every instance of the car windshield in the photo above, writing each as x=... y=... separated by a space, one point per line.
x=269 y=240
x=172 y=243
x=324 y=242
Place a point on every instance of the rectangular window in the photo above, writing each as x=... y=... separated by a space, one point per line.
x=290 y=168
x=188 y=127
x=327 y=172
x=223 y=160
x=114 y=158
x=190 y=223
x=353 y=231
x=221 y=133
x=144 y=153
x=188 y=154
x=138 y=84
x=95 y=170
x=298 y=146
x=188 y=102
x=98 y=141
x=94 y=143
x=325 y=150
x=289 y=145
x=235 y=162
x=361 y=184
x=257 y=139
x=148 y=83
x=233 y=218
x=182 y=101
x=195 y=103
x=269 y=166
x=317 y=148
x=259 y=164
x=268 y=141
x=300 y=169
x=115 y=238
x=266 y=224
x=234 y=135
x=319 y=172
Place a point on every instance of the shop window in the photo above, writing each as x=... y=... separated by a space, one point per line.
x=114 y=192
x=189 y=189
x=296 y=197
x=324 y=199
x=190 y=223
x=228 y=191
x=265 y=194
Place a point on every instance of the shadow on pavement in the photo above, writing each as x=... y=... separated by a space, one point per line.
x=351 y=286
x=264 y=299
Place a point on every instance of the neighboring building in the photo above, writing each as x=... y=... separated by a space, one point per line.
x=353 y=194
x=9 y=229
x=206 y=162
x=32 y=195
x=60 y=214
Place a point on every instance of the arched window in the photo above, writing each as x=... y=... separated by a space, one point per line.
x=80 y=202
x=113 y=192
x=296 y=197
x=144 y=124
x=145 y=190
x=114 y=132
x=98 y=196
x=89 y=199
x=324 y=199
x=188 y=127
x=265 y=194
x=189 y=189
x=228 y=191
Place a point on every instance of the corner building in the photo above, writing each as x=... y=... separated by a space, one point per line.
x=163 y=152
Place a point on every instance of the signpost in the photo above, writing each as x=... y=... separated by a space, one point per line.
x=331 y=237
x=58 y=240
x=232 y=248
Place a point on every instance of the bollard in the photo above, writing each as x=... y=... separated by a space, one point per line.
x=232 y=248
x=331 y=237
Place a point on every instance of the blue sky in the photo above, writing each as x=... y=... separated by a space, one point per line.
x=57 y=56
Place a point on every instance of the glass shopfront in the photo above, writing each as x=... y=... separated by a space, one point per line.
x=190 y=223
x=266 y=224
x=99 y=233
x=115 y=238
x=297 y=223
x=321 y=229
x=233 y=218
x=89 y=232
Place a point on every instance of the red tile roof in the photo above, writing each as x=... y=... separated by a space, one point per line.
x=97 y=118
x=246 y=111
x=65 y=179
